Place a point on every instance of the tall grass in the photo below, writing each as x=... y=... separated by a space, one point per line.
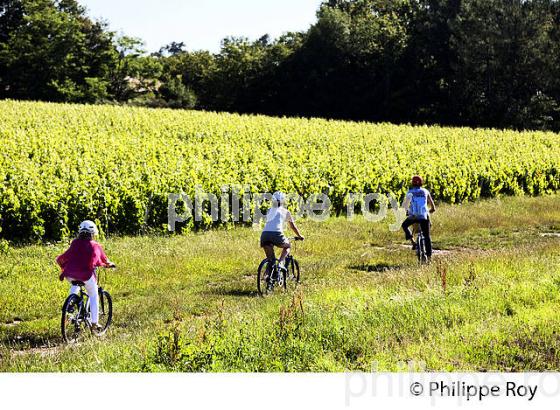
x=189 y=303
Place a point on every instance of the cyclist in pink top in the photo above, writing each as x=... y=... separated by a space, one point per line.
x=79 y=262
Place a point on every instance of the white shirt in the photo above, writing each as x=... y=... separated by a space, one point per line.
x=276 y=218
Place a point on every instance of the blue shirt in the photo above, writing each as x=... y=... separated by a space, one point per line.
x=416 y=203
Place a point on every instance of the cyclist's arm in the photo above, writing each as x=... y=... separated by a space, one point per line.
x=431 y=203
x=295 y=229
x=293 y=226
x=407 y=200
x=61 y=260
x=104 y=261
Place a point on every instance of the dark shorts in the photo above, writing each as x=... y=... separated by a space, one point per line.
x=274 y=239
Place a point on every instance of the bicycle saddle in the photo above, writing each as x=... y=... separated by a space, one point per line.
x=78 y=283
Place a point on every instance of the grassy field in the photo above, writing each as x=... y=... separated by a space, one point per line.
x=490 y=301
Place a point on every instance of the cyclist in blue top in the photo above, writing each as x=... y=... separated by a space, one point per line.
x=416 y=204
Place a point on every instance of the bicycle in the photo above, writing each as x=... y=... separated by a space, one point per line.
x=76 y=313
x=420 y=246
x=269 y=276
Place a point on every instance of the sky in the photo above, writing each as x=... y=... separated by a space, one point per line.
x=202 y=24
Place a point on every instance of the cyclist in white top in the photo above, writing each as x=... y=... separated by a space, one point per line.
x=416 y=203
x=273 y=232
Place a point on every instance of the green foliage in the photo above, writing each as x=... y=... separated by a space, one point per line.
x=176 y=94
x=476 y=63
x=52 y=51
x=504 y=62
x=4 y=246
x=132 y=74
x=189 y=303
x=360 y=329
x=64 y=163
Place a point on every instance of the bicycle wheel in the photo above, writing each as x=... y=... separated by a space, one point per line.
x=263 y=277
x=72 y=323
x=105 y=311
x=291 y=280
x=421 y=250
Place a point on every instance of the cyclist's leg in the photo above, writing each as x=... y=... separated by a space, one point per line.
x=270 y=256
x=91 y=289
x=269 y=253
x=286 y=247
x=74 y=290
x=425 y=226
x=405 y=225
x=267 y=244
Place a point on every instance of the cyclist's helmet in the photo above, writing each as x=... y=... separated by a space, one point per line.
x=417 y=180
x=88 y=227
x=279 y=197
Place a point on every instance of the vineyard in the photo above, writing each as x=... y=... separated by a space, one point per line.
x=64 y=163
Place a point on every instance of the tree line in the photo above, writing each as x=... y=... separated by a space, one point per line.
x=480 y=63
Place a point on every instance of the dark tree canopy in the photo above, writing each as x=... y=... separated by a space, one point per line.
x=491 y=63
x=52 y=51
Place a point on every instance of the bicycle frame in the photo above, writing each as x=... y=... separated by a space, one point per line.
x=76 y=312
x=421 y=247
x=293 y=249
x=274 y=275
x=84 y=307
x=420 y=242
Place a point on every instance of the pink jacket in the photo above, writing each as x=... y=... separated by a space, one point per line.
x=81 y=259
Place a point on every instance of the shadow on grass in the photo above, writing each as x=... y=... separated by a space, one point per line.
x=240 y=293
x=27 y=341
x=377 y=267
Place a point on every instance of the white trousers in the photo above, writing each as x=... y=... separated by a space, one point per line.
x=91 y=290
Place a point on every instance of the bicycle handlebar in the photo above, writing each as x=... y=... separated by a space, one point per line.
x=98 y=273
x=296 y=239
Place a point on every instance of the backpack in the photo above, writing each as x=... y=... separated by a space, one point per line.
x=419 y=203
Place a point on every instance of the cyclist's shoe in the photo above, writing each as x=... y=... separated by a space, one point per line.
x=414 y=244
x=282 y=273
x=282 y=269
x=97 y=330
x=269 y=285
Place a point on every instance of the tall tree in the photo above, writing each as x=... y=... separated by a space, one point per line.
x=52 y=51
x=428 y=58
x=503 y=49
